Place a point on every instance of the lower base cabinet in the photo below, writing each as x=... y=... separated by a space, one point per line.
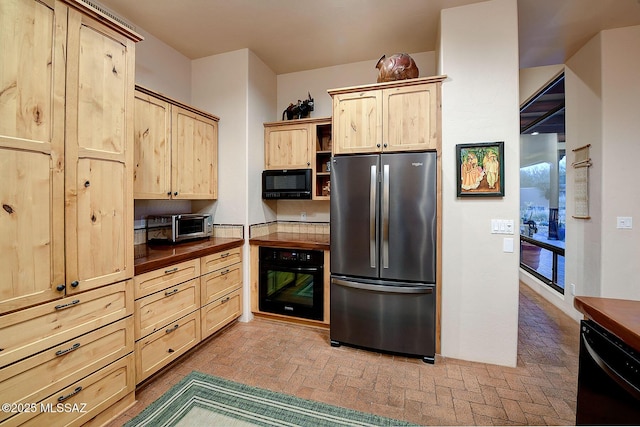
x=69 y=361
x=162 y=347
x=173 y=315
x=37 y=377
x=82 y=401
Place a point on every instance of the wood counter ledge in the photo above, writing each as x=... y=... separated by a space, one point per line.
x=621 y=317
x=154 y=256
x=293 y=240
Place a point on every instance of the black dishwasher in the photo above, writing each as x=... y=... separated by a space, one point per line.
x=608 y=379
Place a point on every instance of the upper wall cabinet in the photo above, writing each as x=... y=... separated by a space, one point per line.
x=66 y=95
x=394 y=116
x=288 y=145
x=176 y=149
x=301 y=144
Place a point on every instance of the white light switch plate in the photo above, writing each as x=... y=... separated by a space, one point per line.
x=501 y=226
x=624 y=222
x=507 y=244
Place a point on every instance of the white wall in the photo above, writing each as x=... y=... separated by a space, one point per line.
x=262 y=104
x=480 y=103
x=163 y=69
x=534 y=79
x=620 y=143
x=295 y=86
x=223 y=90
x=243 y=96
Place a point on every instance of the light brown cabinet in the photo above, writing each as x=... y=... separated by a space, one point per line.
x=287 y=146
x=176 y=149
x=155 y=351
x=66 y=161
x=97 y=393
x=179 y=305
x=52 y=349
x=221 y=290
x=387 y=117
x=35 y=378
x=64 y=153
x=301 y=144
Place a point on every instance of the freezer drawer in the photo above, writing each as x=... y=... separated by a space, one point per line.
x=393 y=318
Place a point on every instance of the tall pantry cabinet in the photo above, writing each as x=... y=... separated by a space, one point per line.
x=66 y=256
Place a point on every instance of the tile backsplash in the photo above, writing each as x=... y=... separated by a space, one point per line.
x=263 y=229
x=219 y=230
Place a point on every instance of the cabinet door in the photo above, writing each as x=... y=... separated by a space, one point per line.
x=99 y=155
x=357 y=122
x=152 y=148
x=410 y=118
x=288 y=147
x=194 y=166
x=32 y=90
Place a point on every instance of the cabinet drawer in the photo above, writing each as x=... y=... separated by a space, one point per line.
x=156 y=280
x=92 y=394
x=35 y=378
x=155 y=311
x=221 y=312
x=31 y=330
x=156 y=350
x=220 y=259
x=220 y=282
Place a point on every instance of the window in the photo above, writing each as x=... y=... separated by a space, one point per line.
x=543 y=185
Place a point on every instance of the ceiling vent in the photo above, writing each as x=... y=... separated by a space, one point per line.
x=108 y=13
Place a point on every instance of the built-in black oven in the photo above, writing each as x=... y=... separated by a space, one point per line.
x=291 y=282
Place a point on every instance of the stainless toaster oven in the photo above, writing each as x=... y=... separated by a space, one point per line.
x=178 y=228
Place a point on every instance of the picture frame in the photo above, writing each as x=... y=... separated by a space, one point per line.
x=480 y=169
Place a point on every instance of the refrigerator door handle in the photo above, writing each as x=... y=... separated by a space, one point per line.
x=385 y=216
x=384 y=288
x=372 y=216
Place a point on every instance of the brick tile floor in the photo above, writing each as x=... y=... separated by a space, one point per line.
x=540 y=390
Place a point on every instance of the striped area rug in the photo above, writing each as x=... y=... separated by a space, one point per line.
x=204 y=400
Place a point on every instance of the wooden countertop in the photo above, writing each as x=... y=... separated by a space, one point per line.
x=295 y=240
x=154 y=256
x=621 y=317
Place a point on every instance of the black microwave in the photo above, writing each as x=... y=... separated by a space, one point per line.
x=286 y=184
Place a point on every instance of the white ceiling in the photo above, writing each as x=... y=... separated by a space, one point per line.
x=296 y=35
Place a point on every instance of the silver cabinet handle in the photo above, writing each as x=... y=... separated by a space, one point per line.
x=71 y=304
x=176 y=326
x=172 y=270
x=69 y=350
x=73 y=393
x=171 y=292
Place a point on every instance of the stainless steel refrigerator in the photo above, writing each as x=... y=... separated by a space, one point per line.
x=383 y=252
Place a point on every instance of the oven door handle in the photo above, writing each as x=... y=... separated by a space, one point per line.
x=291 y=269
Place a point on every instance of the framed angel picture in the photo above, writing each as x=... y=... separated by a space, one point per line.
x=480 y=169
